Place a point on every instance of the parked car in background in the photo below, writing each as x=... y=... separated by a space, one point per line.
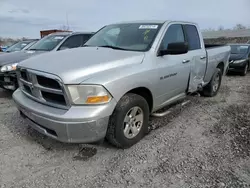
x=239 y=60
x=52 y=42
x=44 y=33
x=125 y=72
x=4 y=48
x=21 y=45
x=29 y=45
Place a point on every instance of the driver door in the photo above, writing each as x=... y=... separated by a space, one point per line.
x=173 y=70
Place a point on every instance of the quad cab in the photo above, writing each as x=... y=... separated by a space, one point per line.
x=122 y=75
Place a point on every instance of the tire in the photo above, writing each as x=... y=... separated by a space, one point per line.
x=210 y=90
x=116 y=129
x=244 y=73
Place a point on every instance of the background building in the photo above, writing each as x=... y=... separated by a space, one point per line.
x=227 y=36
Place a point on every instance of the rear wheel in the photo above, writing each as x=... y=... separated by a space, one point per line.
x=213 y=87
x=244 y=73
x=129 y=122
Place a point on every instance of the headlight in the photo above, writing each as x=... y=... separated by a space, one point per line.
x=10 y=67
x=239 y=61
x=88 y=94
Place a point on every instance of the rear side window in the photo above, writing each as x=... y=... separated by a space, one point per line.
x=86 y=37
x=173 y=34
x=193 y=37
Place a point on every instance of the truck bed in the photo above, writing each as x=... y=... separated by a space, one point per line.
x=207 y=46
x=219 y=53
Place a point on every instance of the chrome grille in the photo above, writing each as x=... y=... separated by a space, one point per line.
x=43 y=88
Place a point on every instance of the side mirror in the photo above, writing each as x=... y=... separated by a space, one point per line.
x=175 y=49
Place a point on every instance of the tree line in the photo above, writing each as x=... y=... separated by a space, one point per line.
x=221 y=28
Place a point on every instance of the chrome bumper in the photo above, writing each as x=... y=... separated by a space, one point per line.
x=79 y=124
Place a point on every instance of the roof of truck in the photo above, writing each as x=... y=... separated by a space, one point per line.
x=154 y=21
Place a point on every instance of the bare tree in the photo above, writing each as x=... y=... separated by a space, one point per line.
x=221 y=28
x=239 y=27
x=64 y=27
x=209 y=29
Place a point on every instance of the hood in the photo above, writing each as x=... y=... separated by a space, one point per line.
x=16 y=57
x=235 y=57
x=74 y=66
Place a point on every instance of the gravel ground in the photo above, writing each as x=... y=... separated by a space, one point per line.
x=205 y=144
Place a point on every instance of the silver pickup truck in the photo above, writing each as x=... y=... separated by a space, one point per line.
x=122 y=75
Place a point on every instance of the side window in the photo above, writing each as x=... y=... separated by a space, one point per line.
x=172 y=35
x=86 y=37
x=72 y=42
x=193 y=37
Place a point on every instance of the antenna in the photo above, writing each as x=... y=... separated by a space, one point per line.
x=67 y=21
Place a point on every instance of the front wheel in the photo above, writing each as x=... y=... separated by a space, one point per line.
x=129 y=122
x=244 y=73
x=213 y=87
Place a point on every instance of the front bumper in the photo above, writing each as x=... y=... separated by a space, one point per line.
x=79 y=124
x=8 y=80
x=237 y=67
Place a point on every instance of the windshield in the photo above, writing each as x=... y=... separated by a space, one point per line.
x=18 y=46
x=132 y=36
x=239 y=49
x=47 y=43
x=29 y=45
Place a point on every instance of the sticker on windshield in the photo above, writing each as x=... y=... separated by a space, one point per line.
x=148 y=27
x=58 y=38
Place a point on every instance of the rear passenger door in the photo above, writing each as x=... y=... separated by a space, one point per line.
x=197 y=54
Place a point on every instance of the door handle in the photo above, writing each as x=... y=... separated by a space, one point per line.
x=203 y=57
x=185 y=61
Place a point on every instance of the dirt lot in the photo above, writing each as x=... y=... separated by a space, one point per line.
x=206 y=144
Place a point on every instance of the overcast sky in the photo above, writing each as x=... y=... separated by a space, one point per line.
x=20 y=18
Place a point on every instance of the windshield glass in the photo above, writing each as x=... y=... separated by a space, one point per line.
x=47 y=43
x=28 y=45
x=132 y=36
x=239 y=49
x=18 y=46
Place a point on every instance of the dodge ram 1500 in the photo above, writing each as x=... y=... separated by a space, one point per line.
x=123 y=74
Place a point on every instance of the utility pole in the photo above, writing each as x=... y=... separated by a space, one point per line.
x=67 y=21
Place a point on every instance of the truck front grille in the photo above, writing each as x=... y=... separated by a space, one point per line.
x=43 y=88
x=48 y=82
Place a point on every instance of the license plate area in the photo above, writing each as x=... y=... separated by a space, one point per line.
x=6 y=79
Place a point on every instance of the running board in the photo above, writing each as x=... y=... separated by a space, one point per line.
x=162 y=114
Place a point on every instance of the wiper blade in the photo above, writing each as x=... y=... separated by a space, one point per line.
x=113 y=47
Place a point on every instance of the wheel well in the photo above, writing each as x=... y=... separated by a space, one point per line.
x=146 y=94
x=221 y=67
